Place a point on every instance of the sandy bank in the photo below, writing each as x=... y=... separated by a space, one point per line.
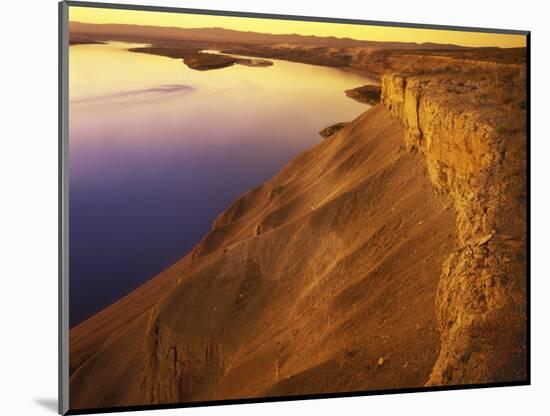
x=299 y=278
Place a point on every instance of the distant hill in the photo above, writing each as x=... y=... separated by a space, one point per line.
x=217 y=34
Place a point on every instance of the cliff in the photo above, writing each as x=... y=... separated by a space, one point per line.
x=471 y=132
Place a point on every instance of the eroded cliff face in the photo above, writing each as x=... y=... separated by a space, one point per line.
x=475 y=149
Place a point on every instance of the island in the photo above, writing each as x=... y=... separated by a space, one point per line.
x=199 y=60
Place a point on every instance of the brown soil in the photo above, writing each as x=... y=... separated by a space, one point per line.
x=302 y=285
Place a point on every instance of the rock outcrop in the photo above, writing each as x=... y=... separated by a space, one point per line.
x=330 y=130
x=475 y=152
x=367 y=94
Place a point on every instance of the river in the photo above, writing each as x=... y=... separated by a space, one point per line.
x=158 y=150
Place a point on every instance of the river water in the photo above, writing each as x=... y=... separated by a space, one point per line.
x=158 y=150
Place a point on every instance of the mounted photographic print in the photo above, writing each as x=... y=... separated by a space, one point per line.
x=264 y=207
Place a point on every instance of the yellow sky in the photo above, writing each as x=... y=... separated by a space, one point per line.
x=362 y=32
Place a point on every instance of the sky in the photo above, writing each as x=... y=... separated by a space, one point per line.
x=360 y=32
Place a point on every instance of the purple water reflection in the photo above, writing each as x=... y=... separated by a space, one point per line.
x=151 y=166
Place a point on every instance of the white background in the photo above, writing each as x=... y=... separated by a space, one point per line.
x=28 y=205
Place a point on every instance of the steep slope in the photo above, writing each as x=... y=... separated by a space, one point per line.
x=323 y=279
